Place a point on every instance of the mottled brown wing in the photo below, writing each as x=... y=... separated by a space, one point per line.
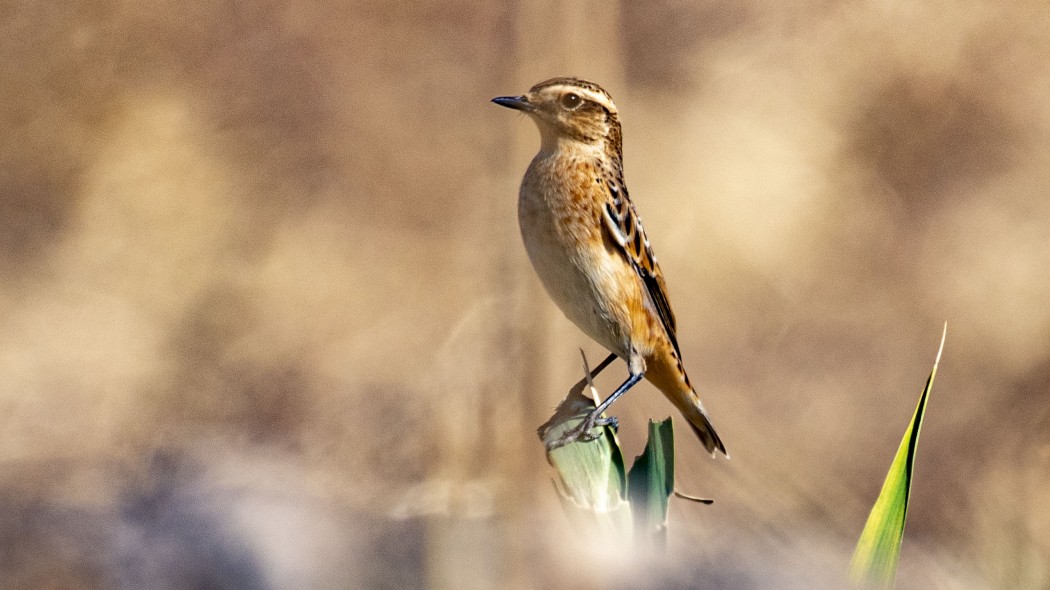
x=625 y=227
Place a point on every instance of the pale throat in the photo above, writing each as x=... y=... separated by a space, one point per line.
x=554 y=143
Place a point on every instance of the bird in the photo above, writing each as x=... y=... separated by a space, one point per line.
x=586 y=242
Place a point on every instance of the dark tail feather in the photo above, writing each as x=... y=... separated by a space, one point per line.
x=705 y=431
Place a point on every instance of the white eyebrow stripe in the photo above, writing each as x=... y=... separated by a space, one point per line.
x=586 y=94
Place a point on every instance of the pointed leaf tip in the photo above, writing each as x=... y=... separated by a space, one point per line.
x=878 y=549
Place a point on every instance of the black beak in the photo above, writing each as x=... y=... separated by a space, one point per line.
x=519 y=103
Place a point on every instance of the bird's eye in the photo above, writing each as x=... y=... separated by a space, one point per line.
x=571 y=101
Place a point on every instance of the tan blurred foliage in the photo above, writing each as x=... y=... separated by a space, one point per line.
x=265 y=321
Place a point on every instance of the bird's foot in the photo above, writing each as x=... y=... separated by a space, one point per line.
x=585 y=431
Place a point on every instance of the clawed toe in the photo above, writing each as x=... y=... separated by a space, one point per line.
x=589 y=435
x=573 y=435
x=586 y=431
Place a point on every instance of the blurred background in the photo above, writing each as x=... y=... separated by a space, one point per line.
x=266 y=321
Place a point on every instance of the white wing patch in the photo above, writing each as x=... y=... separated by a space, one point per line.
x=613 y=226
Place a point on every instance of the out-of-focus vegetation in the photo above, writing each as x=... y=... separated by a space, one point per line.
x=266 y=321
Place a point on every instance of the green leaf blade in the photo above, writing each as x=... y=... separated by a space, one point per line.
x=877 y=553
x=651 y=483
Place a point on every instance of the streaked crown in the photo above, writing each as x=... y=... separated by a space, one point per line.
x=570 y=108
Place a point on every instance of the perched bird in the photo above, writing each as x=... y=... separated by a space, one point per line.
x=586 y=242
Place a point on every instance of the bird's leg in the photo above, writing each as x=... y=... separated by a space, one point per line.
x=601 y=366
x=583 y=431
x=595 y=416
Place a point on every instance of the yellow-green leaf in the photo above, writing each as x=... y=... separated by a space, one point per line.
x=878 y=550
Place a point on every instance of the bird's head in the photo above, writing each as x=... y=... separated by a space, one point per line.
x=569 y=109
